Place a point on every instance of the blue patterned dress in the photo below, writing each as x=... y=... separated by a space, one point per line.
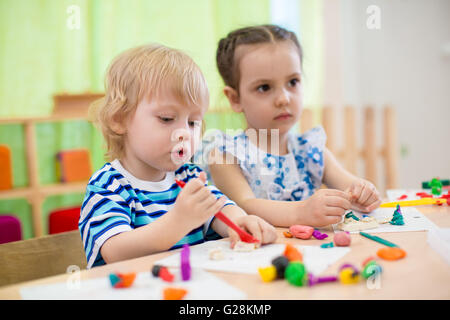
x=292 y=177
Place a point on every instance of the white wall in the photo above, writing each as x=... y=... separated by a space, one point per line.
x=403 y=64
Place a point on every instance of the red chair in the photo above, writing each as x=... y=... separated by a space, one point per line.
x=64 y=220
x=10 y=229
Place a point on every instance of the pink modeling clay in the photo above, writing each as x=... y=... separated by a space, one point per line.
x=301 y=232
x=342 y=239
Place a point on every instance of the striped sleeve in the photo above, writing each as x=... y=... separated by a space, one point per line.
x=103 y=215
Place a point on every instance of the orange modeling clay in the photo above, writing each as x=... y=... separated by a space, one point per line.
x=174 y=293
x=391 y=253
x=292 y=253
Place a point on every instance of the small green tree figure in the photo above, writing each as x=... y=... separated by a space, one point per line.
x=397 y=218
x=436 y=186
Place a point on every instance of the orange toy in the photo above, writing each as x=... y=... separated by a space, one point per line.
x=292 y=253
x=287 y=234
x=391 y=253
x=74 y=165
x=174 y=293
x=5 y=168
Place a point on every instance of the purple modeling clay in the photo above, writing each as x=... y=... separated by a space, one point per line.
x=319 y=235
x=185 y=264
x=312 y=280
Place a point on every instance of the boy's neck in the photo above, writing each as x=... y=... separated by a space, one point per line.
x=270 y=142
x=142 y=171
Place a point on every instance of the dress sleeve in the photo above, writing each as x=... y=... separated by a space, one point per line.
x=103 y=215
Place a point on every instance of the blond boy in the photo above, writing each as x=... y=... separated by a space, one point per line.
x=151 y=118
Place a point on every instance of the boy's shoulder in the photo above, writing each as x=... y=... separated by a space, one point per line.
x=105 y=176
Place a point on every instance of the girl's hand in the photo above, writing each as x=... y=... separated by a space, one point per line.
x=256 y=226
x=364 y=196
x=195 y=203
x=325 y=207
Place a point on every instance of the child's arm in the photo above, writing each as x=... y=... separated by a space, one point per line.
x=364 y=195
x=323 y=208
x=194 y=205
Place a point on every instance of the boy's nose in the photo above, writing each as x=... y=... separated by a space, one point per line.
x=181 y=134
x=282 y=98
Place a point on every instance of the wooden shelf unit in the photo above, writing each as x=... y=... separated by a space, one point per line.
x=36 y=193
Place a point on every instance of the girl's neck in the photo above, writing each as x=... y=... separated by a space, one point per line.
x=269 y=141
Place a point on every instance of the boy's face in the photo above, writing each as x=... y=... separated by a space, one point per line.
x=161 y=135
x=270 y=89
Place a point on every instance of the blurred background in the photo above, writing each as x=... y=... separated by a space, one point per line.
x=358 y=53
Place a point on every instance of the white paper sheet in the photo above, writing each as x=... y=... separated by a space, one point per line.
x=315 y=258
x=413 y=218
x=145 y=287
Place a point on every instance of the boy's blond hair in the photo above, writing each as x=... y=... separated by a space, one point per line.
x=139 y=73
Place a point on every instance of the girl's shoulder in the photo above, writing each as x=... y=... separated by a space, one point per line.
x=313 y=138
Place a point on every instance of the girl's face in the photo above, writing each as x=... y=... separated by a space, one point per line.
x=270 y=88
x=161 y=135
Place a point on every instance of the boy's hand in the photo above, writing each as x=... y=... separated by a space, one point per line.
x=195 y=203
x=364 y=196
x=256 y=226
x=325 y=207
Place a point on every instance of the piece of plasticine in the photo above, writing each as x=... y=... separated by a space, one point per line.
x=371 y=268
x=348 y=276
x=165 y=274
x=174 y=293
x=287 y=234
x=342 y=239
x=292 y=253
x=268 y=274
x=319 y=235
x=327 y=245
x=301 y=232
x=391 y=253
x=121 y=280
x=280 y=263
x=185 y=264
x=296 y=274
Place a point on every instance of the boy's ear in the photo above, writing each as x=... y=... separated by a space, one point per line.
x=233 y=98
x=118 y=125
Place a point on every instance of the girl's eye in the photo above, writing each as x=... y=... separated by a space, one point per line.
x=294 y=82
x=263 y=88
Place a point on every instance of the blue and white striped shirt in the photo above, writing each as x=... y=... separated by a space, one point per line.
x=116 y=202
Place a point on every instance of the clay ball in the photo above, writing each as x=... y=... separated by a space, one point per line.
x=342 y=239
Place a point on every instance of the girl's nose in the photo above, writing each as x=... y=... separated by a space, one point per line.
x=282 y=99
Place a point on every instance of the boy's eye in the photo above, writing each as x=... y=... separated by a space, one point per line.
x=165 y=119
x=263 y=88
x=194 y=123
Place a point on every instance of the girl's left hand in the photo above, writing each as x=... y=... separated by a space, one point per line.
x=256 y=226
x=364 y=196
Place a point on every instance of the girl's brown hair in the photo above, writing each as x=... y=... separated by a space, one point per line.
x=227 y=63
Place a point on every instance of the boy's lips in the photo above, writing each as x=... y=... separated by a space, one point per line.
x=283 y=116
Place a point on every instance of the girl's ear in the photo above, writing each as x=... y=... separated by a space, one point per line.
x=233 y=98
